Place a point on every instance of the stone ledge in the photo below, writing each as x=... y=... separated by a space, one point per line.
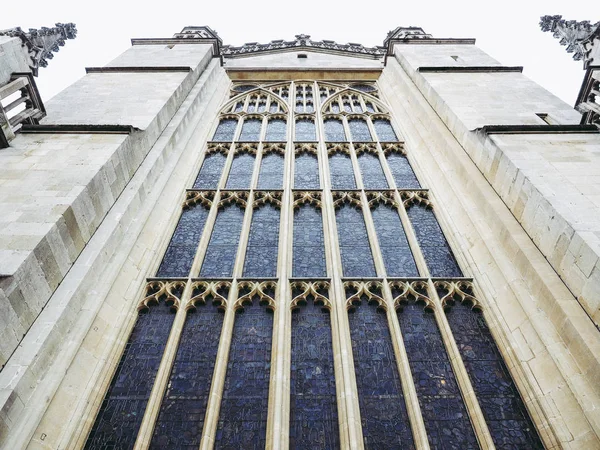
x=469 y=69
x=131 y=69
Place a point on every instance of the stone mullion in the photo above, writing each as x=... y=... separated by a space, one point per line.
x=227 y=166
x=386 y=170
x=256 y=167
x=372 y=236
x=206 y=234
x=238 y=267
x=354 y=159
x=462 y=377
x=162 y=375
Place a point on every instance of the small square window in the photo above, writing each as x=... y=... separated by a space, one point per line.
x=302 y=55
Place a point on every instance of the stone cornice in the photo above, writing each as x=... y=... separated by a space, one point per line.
x=470 y=69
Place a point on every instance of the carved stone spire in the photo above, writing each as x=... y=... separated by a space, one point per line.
x=42 y=43
x=581 y=38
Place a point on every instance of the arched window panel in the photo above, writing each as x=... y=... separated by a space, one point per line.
x=442 y=406
x=271 y=171
x=357 y=259
x=305 y=130
x=371 y=171
x=313 y=401
x=251 y=129
x=359 y=129
x=241 y=88
x=244 y=405
x=304 y=98
x=122 y=410
x=225 y=131
x=222 y=247
x=326 y=91
x=503 y=408
x=401 y=169
x=240 y=174
x=367 y=88
x=263 y=242
x=182 y=248
x=396 y=253
x=341 y=171
x=210 y=172
x=306 y=171
x=384 y=417
x=182 y=411
x=308 y=251
x=282 y=91
x=276 y=129
x=334 y=130
x=433 y=244
x=385 y=131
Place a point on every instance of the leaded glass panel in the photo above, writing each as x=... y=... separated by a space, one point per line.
x=179 y=424
x=371 y=171
x=359 y=130
x=396 y=253
x=276 y=130
x=305 y=130
x=240 y=174
x=306 y=171
x=309 y=243
x=334 y=130
x=263 y=242
x=271 y=172
x=402 y=172
x=504 y=410
x=243 y=415
x=357 y=259
x=122 y=410
x=341 y=171
x=210 y=173
x=222 y=247
x=384 y=130
x=383 y=412
x=225 y=130
x=313 y=403
x=250 y=130
x=433 y=244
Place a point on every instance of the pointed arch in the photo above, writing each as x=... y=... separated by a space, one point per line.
x=256 y=101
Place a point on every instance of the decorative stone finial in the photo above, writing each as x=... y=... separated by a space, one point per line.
x=580 y=38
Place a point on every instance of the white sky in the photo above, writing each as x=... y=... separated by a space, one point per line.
x=507 y=30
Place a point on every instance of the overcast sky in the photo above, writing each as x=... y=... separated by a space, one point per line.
x=507 y=30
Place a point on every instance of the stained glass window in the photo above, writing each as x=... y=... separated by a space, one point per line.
x=271 y=172
x=179 y=424
x=396 y=253
x=180 y=253
x=210 y=173
x=306 y=171
x=222 y=247
x=357 y=259
x=240 y=174
x=359 y=130
x=313 y=404
x=243 y=415
x=250 y=130
x=334 y=130
x=263 y=242
x=402 y=172
x=226 y=130
x=122 y=410
x=371 y=171
x=432 y=242
x=309 y=243
x=305 y=130
x=504 y=410
x=276 y=130
x=382 y=409
x=443 y=409
x=384 y=130
x=342 y=173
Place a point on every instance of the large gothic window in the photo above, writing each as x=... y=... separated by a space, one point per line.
x=263 y=240
x=357 y=259
x=309 y=243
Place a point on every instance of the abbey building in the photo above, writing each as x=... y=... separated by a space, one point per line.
x=300 y=244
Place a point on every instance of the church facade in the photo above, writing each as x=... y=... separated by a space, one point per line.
x=299 y=244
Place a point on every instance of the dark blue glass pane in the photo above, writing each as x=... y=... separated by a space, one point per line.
x=180 y=253
x=364 y=87
x=306 y=172
x=383 y=412
x=276 y=130
x=225 y=130
x=240 y=174
x=503 y=408
x=243 y=416
x=342 y=174
x=432 y=242
x=357 y=259
x=371 y=171
x=396 y=253
x=210 y=173
x=402 y=172
x=181 y=418
x=263 y=242
x=313 y=404
x=222 y=247
x=384 y=130
x=359 y=130
x=250 y=130
x=271 y=172
x=442 y=406
x=122 y=410
x=334 y=130
x=305 y=130
x=309 y=243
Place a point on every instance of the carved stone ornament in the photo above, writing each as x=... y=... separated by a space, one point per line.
x=404 y=291
x=461 y=290
x=277 y=148
x=262 y=198
x=305 y=290
x=203 y=198
x=416 y=198
x=217 y=147
x=580 y=38
x=307 y=147
x=395 y=147
x=246 y=147
x=371 y=290
x=366 y=148
x=351 y=198
x=307 y=198
x=338 y=147
x=263 y=291
x=168 y=291
x=383 y=197
x=214 y=292
x=233 y=197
